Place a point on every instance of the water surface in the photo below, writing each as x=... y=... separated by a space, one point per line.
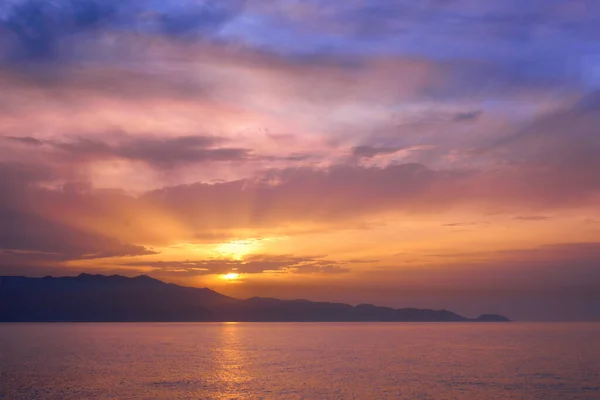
x=300 y=361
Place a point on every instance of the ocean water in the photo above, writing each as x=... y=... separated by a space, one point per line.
x=300 y=361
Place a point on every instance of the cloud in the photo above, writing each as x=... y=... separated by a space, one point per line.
x=37 y=25
x=26 y=140
x=288 y=199
x=550 y=165
x=305 y=196
x=27 y=235
x=341 y=193
x=558 y=254
x=254 y=264
x=566 y=134
x=511 y=37
x=156 y=151
x=531 y=218
x=248 y=96
x=361 y=261
x=37 y=29
x=458 y=224
x=179 y=150
x=27 y=231
x=518 y=57
x=467 y=116
x=370 y=151
x=380 y=19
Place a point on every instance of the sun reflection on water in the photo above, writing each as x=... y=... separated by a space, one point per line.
x=232 y=362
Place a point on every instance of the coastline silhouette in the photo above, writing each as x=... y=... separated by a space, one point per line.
x=115 y=298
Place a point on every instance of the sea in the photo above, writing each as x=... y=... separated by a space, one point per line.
x=367 y=361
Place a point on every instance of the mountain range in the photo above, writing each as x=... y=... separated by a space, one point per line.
x=115 y=298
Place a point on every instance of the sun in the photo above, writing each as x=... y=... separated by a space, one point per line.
x=232 y=276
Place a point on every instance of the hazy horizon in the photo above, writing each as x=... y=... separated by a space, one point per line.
x=433 y=154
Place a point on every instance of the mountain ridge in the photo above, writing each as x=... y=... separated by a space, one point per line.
x=116 y=298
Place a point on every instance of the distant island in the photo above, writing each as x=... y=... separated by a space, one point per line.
x=115 y=298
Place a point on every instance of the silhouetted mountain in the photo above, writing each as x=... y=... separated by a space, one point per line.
x=118 y=298
x=492 y=318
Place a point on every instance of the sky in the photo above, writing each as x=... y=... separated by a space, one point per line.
x=434 y=153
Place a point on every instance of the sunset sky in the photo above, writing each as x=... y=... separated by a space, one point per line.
x=433 y=153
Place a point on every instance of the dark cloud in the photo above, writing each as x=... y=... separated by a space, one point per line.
x=373 y=19
x=179 y=150
x=200 y=18
x=37 y=27
x=589 y=103
x=160 y=152
x=27 y=140
x=510 y=22
x=467 y=116
x=566 y=140
x=370 y=151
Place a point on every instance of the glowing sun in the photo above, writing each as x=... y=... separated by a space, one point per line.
x=232 y=276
